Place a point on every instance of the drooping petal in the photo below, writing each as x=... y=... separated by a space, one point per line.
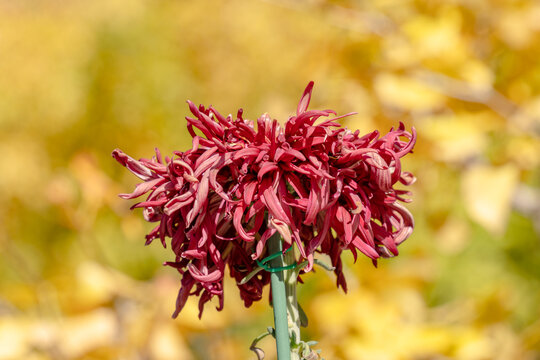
x=198 y=275
x=183 y=294
x=237 y=221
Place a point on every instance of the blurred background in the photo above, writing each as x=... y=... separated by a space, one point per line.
x=80 y=78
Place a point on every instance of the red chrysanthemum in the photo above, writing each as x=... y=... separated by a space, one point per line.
x=322 y=187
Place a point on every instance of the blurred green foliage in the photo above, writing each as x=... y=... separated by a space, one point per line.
x=80 y=78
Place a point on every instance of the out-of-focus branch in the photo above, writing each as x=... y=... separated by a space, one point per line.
x=363 y=21
x=462 y=90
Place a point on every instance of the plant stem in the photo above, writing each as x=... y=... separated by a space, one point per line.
x=293 y=315
x=279 y=301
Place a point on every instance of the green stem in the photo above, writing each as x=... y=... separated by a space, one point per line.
x=279 y=301
x=293 y=315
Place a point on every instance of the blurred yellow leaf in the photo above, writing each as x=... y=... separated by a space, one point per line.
x=453 y=235
x=518 y=26
x=456 y=138
x=487 y=192
x=96 y=285
x=473 y=346
x=437 y=37
x=166 y=343
x=406 y=94
x=477 y=74
x=13 y=338
x=81 y=334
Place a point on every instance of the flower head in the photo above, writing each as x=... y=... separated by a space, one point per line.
x=322 y=187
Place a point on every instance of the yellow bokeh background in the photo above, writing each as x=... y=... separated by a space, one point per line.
x=80 y=78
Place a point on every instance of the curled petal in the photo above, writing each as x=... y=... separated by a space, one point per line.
x=198 y=275
x=136 y=167
x=143 y=188
x=407 y=178
x=237 y=221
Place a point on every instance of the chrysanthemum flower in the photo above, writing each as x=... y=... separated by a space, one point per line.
x=322 y=187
